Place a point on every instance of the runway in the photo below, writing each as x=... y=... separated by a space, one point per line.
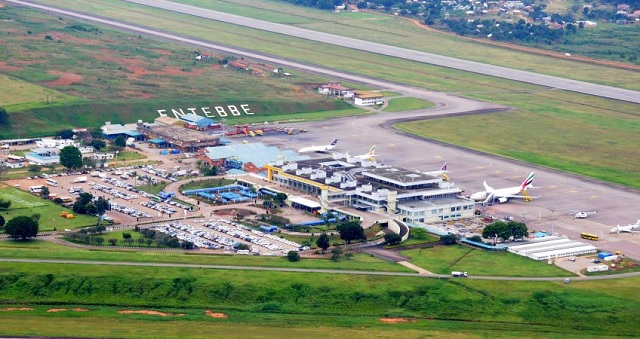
x=559 y=194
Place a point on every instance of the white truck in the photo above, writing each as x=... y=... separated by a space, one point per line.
x=95 y=173
x=80 y=179
x=459 y=274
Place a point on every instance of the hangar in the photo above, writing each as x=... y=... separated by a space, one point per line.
x=551 y=248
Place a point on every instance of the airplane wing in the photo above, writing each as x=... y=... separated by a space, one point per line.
x=519 y=196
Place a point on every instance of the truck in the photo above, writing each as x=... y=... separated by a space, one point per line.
x=459 y=274
x=95 y=173
x=80 y=179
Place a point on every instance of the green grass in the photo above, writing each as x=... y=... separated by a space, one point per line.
x=26 y=204
x=129 y=155
x=18 y=94
x=39 y=249
x=324 y=302
x=444 y=259
x=153 y=189
x=406 y=104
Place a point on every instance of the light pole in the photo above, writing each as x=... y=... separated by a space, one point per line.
x=552 y=210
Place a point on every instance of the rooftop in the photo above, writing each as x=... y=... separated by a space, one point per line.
x=256 y=153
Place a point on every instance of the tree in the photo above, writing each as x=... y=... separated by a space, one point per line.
x=518 y=230
x=494 y=230
x=2 y=222
x=448 y=239
x=323 y=242
x=4 y=117
x=34 y=168
x=336 y=252
x=361 y=5
x=97 y=240
x=22 y=227
x=112 y=241
x=66 y=134
x=120 y=142
x=126 y=235
x=293 y=256
x=351 y=230
x=392 y=238
x=5 y=204
x=98 y=144
x=280 y=198
x=44 y=193
x=70 y=157
x=88 y=162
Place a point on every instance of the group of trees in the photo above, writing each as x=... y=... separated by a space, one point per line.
x=86 y=204
x=505 y=231
x=351 y=230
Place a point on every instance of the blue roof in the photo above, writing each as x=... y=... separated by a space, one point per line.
x=134 y=134
x=156 y=141
x=194 y=119
x=256 y=153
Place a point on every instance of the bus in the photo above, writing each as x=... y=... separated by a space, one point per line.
x=66 y=200
x=36 y=189
x=589 y=236
x=51 y=182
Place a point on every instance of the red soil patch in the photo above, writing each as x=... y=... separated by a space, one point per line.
x=163 y=52
x=54 y=310
x=65 y=79
x=394 y=320
x=170 y=70
x=7 y=309
x=215 y=315
x=150 y=312
x=75 y=39
x=7 y=68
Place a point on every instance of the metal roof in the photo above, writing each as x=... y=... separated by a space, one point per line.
x=256 y=153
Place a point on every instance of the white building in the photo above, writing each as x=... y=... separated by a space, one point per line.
x=56 y=143
x=551 y=248
x=368 y=99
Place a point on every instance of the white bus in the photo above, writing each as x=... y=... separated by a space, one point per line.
x=35 y=189
x=51 y=182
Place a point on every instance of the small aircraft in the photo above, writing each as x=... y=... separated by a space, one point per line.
x=321 y=148
x=442 y=172
x=583 y=214
x=631 y=228
x=367 y=156
x=491 y=194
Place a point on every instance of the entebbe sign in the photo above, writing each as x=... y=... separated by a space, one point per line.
x=209 y=112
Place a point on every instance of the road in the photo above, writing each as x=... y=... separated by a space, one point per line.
x=307 y=270
x=559 y=194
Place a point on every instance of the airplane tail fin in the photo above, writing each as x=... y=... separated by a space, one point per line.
x=527 y=181
x=372 y=151
x=487 y=187
x=444 y=167
x=334 y=142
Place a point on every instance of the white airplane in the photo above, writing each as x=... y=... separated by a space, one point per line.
x=631 y=228
x=443 y=171
x=321 y=148
x=367 y=156
x=503 y=194
x=583 y=214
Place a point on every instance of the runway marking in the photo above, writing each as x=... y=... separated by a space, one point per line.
x=594 y=197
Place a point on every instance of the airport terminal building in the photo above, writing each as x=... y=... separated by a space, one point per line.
x=412 y=196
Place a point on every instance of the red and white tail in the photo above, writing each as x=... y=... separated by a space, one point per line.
x=527 y=182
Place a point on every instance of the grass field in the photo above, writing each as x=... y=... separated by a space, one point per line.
x=444 y=259
x=39 y=249
x=459 y=307
x=17 y=93
x=27 y=204
x=214 y=182
x=406 y=104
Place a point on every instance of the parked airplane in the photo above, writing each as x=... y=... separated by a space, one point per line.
x=443 y=171
x=321 y=148
x=631 y=228
x=503 y=194
x=367 y=156
x=583 y=214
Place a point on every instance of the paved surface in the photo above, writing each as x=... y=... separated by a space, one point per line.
x=306 y=270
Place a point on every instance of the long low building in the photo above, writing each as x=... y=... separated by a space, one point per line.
x=412 y=196
x=551 y=248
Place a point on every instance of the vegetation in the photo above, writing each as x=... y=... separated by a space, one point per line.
x=22 y=227
x=26 y=204
x=293 y=256
x=406 y=104
x=351 y=230
x=505 y=231
x=198 y=184
x=323 y=242
x=70 y=157
x=460 y=305
x=444 y=259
